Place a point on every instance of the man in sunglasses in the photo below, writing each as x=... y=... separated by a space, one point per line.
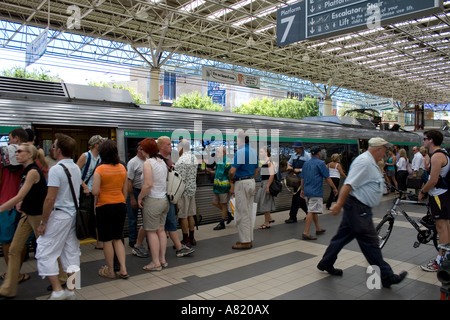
x=437 y=187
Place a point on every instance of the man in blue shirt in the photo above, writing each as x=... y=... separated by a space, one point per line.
x=242 y=175
x=313 y=173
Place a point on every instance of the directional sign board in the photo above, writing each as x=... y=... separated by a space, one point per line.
x=325 y=18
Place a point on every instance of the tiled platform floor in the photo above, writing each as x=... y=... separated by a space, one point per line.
x=280 y=266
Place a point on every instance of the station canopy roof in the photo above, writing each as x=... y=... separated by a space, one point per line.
x=408 y=61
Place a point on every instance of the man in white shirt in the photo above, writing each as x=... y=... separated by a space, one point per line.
x=57 y=236
x=417 y=165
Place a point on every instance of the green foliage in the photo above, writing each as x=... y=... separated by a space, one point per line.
x=136 y=96
x=36 y=74
x=195 y=100
x=285 y=108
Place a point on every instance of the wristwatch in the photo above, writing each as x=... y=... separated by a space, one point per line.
x=42 y=223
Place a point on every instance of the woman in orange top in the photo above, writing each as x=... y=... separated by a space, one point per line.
x=110 y=188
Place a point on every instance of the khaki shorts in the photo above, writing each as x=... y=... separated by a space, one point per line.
x=186 y=207
x=221 y=197
x=154 y=213
x=315 y=205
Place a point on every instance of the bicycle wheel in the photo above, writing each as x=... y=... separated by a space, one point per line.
x=384 y=229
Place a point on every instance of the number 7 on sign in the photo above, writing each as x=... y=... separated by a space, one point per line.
x=289 y=21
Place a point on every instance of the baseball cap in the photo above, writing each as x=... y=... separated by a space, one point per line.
x=378 y=142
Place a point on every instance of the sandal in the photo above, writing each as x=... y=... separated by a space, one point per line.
x=123 y=276
x=264 y=226
x=164 y=264
x=24 y=277
x=152 y=267
x=103 y=272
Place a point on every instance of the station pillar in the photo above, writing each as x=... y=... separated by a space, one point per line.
x=328 y=107
x=154 y=87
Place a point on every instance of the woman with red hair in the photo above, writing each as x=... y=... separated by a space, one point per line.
x=154 y=204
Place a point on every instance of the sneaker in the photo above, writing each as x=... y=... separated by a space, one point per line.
x=60 y=295
x=184 y=251
x=431 y=266
x=140 y=252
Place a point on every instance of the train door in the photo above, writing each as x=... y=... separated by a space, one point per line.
x=45 y=135
x=363 y=145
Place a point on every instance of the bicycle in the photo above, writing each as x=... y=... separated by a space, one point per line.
x=426 y=228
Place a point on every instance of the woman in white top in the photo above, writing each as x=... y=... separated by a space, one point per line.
x=402 y=171
x=154 y=204
x=336 y=173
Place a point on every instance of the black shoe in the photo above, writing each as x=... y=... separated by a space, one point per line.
x=394 y=279
x=290 y=220
x=331 y=270
x=230 y=217
x=220 y=226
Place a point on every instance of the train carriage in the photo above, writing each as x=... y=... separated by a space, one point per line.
x=82 y=111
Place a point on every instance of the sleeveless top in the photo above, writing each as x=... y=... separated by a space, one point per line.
x=34 y=200
x=90 y=168
x=334 y=172
x=390 y=164
x=444 y=171
x=159 y=185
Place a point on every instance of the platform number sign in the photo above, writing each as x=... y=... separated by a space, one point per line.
x=291 y=22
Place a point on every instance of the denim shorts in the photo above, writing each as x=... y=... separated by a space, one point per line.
x=171 y=219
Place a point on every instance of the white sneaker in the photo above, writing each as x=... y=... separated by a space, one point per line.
x=58 y=295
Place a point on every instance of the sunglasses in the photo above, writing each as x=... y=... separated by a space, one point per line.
x=425 y=138
x=19 y=151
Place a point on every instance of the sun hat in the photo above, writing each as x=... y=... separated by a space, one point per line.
x=297 y=144
x=378 y=142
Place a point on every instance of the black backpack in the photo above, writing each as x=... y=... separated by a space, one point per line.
x=443 y=182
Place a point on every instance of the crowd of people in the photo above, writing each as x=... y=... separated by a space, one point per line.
x=37 y=198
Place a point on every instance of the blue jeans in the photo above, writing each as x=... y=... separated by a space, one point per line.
x=357 y=223
x=132 y=218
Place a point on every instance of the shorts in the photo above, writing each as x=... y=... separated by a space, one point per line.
x=154 y=213
x=221 y=197
x=171 y=219
x=110 y=221
x=390 y=173
x=186 y=207
x=440 y=206
x=315 y=205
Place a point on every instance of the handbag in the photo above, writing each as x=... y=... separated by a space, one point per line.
x=292 y=181
x=83 y=231
x=276 y=186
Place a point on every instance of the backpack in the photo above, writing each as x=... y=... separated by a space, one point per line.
x=8 y=157
x=443 y=182
x=175 y=186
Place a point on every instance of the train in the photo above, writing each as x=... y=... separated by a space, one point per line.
x=83 y=111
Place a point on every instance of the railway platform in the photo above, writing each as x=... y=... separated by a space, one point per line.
x=280 y=266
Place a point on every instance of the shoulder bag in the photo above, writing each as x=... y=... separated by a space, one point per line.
x=82 y=225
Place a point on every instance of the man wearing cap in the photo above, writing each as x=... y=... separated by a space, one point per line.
x=312 y=176
x=362 y=190
x=295 y=164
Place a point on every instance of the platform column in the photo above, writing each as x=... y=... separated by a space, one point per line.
x=154 y=87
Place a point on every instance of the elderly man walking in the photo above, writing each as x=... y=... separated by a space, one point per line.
x=362 y=190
